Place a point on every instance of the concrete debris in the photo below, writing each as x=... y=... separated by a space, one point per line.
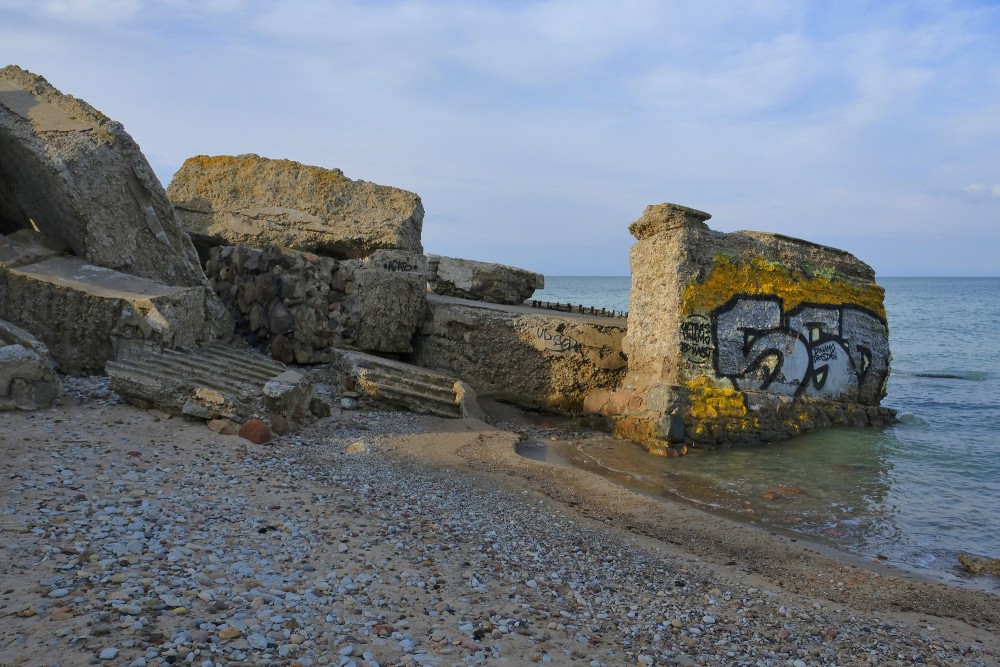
x=28 y=379
x=481 y=281
x=254 y=201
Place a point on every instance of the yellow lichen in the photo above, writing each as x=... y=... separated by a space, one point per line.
x=759 y=277
x=710 y=401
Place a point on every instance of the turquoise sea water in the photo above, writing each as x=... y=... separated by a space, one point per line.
x=914 y=494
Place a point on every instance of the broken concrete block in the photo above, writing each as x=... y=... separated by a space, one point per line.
x=87 y=314
x=74 y=174
x=257 y=202
x=532 y=358
x=28 y=379
x=214 y=383
x=386 y=301
x=747 y=336
x=481 y=281
x=404 y=385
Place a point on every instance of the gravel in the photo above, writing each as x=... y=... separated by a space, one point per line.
x=137 y=539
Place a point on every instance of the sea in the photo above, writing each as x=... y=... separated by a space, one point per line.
x=912 y=495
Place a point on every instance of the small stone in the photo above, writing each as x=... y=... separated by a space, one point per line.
x=677 y=623
x=228 y=633
x=708 y=618
x=221 y=426
x=357 y=448
x=109 y=653
x=59 y=593
x=257 y=641
x=346 y=650
x=279 y=425
x=255 y=431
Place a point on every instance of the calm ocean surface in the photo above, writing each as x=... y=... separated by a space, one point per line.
x=915 y=494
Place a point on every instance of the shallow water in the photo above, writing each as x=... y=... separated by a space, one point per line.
x=914 y=494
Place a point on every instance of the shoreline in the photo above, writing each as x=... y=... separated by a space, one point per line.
x=829 y=547
x=379 y=538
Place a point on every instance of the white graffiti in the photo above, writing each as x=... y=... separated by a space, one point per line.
x=825 y=351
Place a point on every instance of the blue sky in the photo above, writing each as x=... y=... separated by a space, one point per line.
x=535 y=132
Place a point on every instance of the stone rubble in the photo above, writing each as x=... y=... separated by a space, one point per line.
x=145 y=540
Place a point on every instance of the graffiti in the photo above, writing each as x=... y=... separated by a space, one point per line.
x=398 y=265
x=822 y=351
x=557 y=342
x=696 y=339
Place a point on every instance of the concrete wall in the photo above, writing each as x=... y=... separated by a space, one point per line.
x=532 y=358
x=746 y=336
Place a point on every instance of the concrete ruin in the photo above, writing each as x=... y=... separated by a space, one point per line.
x=481 y=281
x=745 y=337
x=299 y=307
x=28 y=379
x=257 y=202
x=91 y=258
x=532 y=358
x=71 y=173
x=215 y=383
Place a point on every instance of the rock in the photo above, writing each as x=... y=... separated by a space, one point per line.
x=222 y=426
x=228 y=633
x=279 y=425
x=257 y=641
x=28 y=380
x=255 y=201
x=256 y=431
x=481 y=281
x=108 y=654
x=979 y=565
x=356 y=448
x=74 y=174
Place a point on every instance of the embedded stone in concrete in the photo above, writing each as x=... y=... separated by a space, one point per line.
x=299 y=306
x=213 y=383
x=532 y=358
x=88 y=314
x=254 y=201
x=481 y=281
x=74 y=174
x=28 y=380
x=747 y=336
x=404 y=385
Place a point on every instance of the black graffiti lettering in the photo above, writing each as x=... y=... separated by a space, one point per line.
x=398 y=265
x=696 y=339
x=825 y=352
x=558 y=342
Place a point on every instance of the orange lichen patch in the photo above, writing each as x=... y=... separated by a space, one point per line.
x=761 y=278
x=709 y=401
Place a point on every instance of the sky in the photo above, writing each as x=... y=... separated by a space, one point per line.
x=536 y=132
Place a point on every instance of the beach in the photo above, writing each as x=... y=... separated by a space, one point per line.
x=386 y=538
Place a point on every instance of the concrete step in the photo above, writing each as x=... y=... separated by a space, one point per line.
x=404 y=385
x=213 y=382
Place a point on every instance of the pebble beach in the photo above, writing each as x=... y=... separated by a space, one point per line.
x=384 y=538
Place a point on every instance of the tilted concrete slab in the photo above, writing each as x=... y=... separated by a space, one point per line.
x=214 y=382
x=404 y=385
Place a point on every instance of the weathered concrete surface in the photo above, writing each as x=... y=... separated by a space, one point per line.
x=404 y=385
x=28 y=379
x=214 y=383
x=746 y=336
x=257 y=202
x=88 y=314
x=387 y=301
x=298 y=306
x=532 y=358
x=74 y=174
x=481 y=281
